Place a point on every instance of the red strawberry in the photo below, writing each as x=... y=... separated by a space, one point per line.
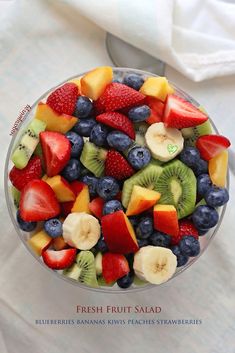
x=186 y=227
x=117 y=166
x=179 y=113
x=157 y=109
x=38 y=202
x=77 y=186
x=117 y=96
x=20 y=177
x=64 y=98
x=58 y=260
x=211 y=145
x=117 y=121
x=96 y=207
x=56 y=151
x=66 y=207
x=114 y=266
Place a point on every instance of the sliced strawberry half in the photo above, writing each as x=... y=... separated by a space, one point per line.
x=114 y=266
x=38 y=202
x=186 y=227
x=117 y=96
x=56 y=151
x=117 y=121
x=21 y=177
x=180 y=114
x=211 y=145
x=157 y=109
x=64 y=98
x=58 y=260
x=117 y=166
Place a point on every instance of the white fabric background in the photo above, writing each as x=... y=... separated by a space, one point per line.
x=42 y=43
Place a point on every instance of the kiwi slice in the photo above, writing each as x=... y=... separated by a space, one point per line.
x=83 y=270
x=202 y=202
x=27 y=143
x=191 y=134
x=146 y=178
x=93 y=158
x=177 y=185
x=16 y=196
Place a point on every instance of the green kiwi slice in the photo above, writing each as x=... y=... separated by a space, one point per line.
x=177 y=185
x=84 y=269
x=146 y=178
x=191 y=134
x=93 y=158
x=27 y=143
x=16 y=196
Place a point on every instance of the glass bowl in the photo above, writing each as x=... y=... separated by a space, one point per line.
x=205 y=240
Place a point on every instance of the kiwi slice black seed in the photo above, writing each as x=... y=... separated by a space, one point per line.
x=177 y=185
x=84 y=269
x=27 y=143
x=191 y=134
x=93 y=158
x=146 y=178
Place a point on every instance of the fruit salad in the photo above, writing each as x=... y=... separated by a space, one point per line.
x=116 y=180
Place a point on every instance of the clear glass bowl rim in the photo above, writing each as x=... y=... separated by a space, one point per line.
x=58 y=275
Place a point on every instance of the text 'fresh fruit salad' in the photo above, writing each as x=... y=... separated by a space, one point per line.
x=115 y=180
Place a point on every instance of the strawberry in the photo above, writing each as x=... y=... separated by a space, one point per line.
x=96 y=207
x=186 y=227
x=117 y=96
x=211 y=145
x=58 y=260
x=114 y=266
x=77 y=186
x=66 y=207
x=117 y=121
x=117 y=167
x=157 y=109
x=38 y=202
x=56 y=151
x=20 y=177
x=64 y=98
x=179 y=113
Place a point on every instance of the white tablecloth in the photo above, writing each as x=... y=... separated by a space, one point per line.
x=42 y=43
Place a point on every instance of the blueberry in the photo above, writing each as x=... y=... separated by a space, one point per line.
x=107 y=188
x=118 y=140
x=76 y=142
x=134 y=220
x=139 y=113
x=203 y=184
x=142 y=242
x=134 y=81
x=200 y=168
x=84 y=126
x=144 y=228
x=53 y=227
x=98 y=135
x=139 y=157
x=91 y=181
x=190 y=156
x=160 y=239
x=101 y=245
x=125 y=281
x=83 y=107
x=216 y=197
x=205 y=217
x=26 y=226
x=202 y=231
x=72 y=170
x=181 y=259
x=189 y=246
x=112 y=206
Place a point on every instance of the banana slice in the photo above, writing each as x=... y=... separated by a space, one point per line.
x=81 y=230
x=154 y=264
x=164 y=143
